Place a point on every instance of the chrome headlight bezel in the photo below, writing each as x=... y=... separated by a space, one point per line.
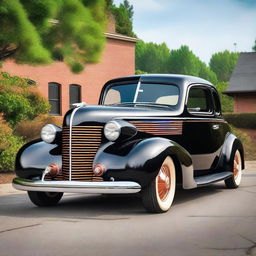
x=112 y=130
x=49 y=133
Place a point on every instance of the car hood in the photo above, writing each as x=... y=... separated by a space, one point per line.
x=95 y=114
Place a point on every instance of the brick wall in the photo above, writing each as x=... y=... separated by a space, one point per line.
x=118 y=59
x=245 y=103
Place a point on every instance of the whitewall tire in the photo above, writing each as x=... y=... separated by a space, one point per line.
x=158 y=196
x=235 y=180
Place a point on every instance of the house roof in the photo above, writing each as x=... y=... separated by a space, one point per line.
x=243 y=78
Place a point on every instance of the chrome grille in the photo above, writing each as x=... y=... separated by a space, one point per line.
x=85 y=143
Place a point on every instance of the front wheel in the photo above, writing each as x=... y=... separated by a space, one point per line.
x=157 y=197
x=44 y=198
x=235 y=180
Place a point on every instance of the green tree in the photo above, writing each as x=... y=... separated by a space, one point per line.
x=223 y=63
x=184 y=61
x=36 y=32
x=124 y=17
x=157 y=58
x=227 y=103
x=151 y=57
x=254 y=47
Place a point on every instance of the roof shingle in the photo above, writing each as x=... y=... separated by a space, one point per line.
x=243 y=78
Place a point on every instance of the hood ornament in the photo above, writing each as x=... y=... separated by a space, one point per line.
x=79 y=104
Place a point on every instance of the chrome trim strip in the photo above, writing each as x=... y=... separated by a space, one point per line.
x=88 y=187
x=70 y=138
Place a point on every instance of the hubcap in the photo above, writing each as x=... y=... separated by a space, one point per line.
x=163 y=182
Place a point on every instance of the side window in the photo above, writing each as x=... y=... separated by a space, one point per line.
x=199 y=100
x=74 y=94
x=54 y=98
x=216 y=103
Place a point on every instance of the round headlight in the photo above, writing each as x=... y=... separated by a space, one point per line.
x=112 y=130
x=48 y=133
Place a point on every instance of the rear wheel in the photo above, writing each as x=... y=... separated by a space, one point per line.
x=157 y=197
x=235 y=180
x=44 y=198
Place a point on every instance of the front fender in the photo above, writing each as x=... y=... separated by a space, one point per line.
x=141 y=162
x=34 y=156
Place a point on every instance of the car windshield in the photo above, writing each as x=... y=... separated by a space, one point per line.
x=158 y=94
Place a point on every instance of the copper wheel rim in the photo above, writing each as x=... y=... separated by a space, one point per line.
x=236 y=166
x=163 y=182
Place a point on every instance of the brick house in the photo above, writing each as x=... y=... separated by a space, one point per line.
x=62 y=88
x=242 y=84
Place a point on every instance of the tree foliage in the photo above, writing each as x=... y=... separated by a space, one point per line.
x=254 y=47
x=227 y=103
x=9 y=146
x=19 y=100
x=123 y=16
x=151 y=57
x=158 y=58
x=184 y=61
x=35 y=32
x=223 y=63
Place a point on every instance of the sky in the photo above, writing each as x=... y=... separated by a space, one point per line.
x=206 y=26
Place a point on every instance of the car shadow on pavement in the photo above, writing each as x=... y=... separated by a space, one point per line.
x=80 y=206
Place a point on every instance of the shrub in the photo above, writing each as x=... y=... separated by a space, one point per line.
x=9 y=146
x=140 y=72
x=30 y=130
x=249 y=145
x=242 y=120
x=19 y=100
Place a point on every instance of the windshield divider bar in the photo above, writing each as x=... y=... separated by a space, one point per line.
x=137 y=92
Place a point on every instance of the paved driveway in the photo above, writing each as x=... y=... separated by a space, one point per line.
x=207 y=221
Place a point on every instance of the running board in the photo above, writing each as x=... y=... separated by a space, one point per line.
x=211 y=178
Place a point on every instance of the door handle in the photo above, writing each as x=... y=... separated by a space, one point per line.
x=215 y=127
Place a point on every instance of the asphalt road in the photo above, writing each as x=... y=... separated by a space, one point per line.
x=207 y=221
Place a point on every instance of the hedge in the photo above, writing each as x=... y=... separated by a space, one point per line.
x=241 y=120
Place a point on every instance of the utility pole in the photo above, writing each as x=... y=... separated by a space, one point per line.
x=235 y=44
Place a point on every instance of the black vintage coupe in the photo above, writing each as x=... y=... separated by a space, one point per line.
x=148 y=134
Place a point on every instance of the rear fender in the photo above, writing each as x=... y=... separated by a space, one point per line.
x=231 y=144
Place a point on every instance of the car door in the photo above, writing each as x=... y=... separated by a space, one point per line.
x=201 y=127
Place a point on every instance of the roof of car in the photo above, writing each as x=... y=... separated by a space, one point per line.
x=168 y=78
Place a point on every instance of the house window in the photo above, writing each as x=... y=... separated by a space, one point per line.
x=54 y=97
x=74 y=94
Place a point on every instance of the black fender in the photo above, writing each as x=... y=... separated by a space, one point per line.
x=34 y=156
x=231 y=144
x=140 y=161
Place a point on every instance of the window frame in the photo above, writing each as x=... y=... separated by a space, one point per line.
x=59 y=100
x=79 y=93
x=217 y=99
x=210 y=97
